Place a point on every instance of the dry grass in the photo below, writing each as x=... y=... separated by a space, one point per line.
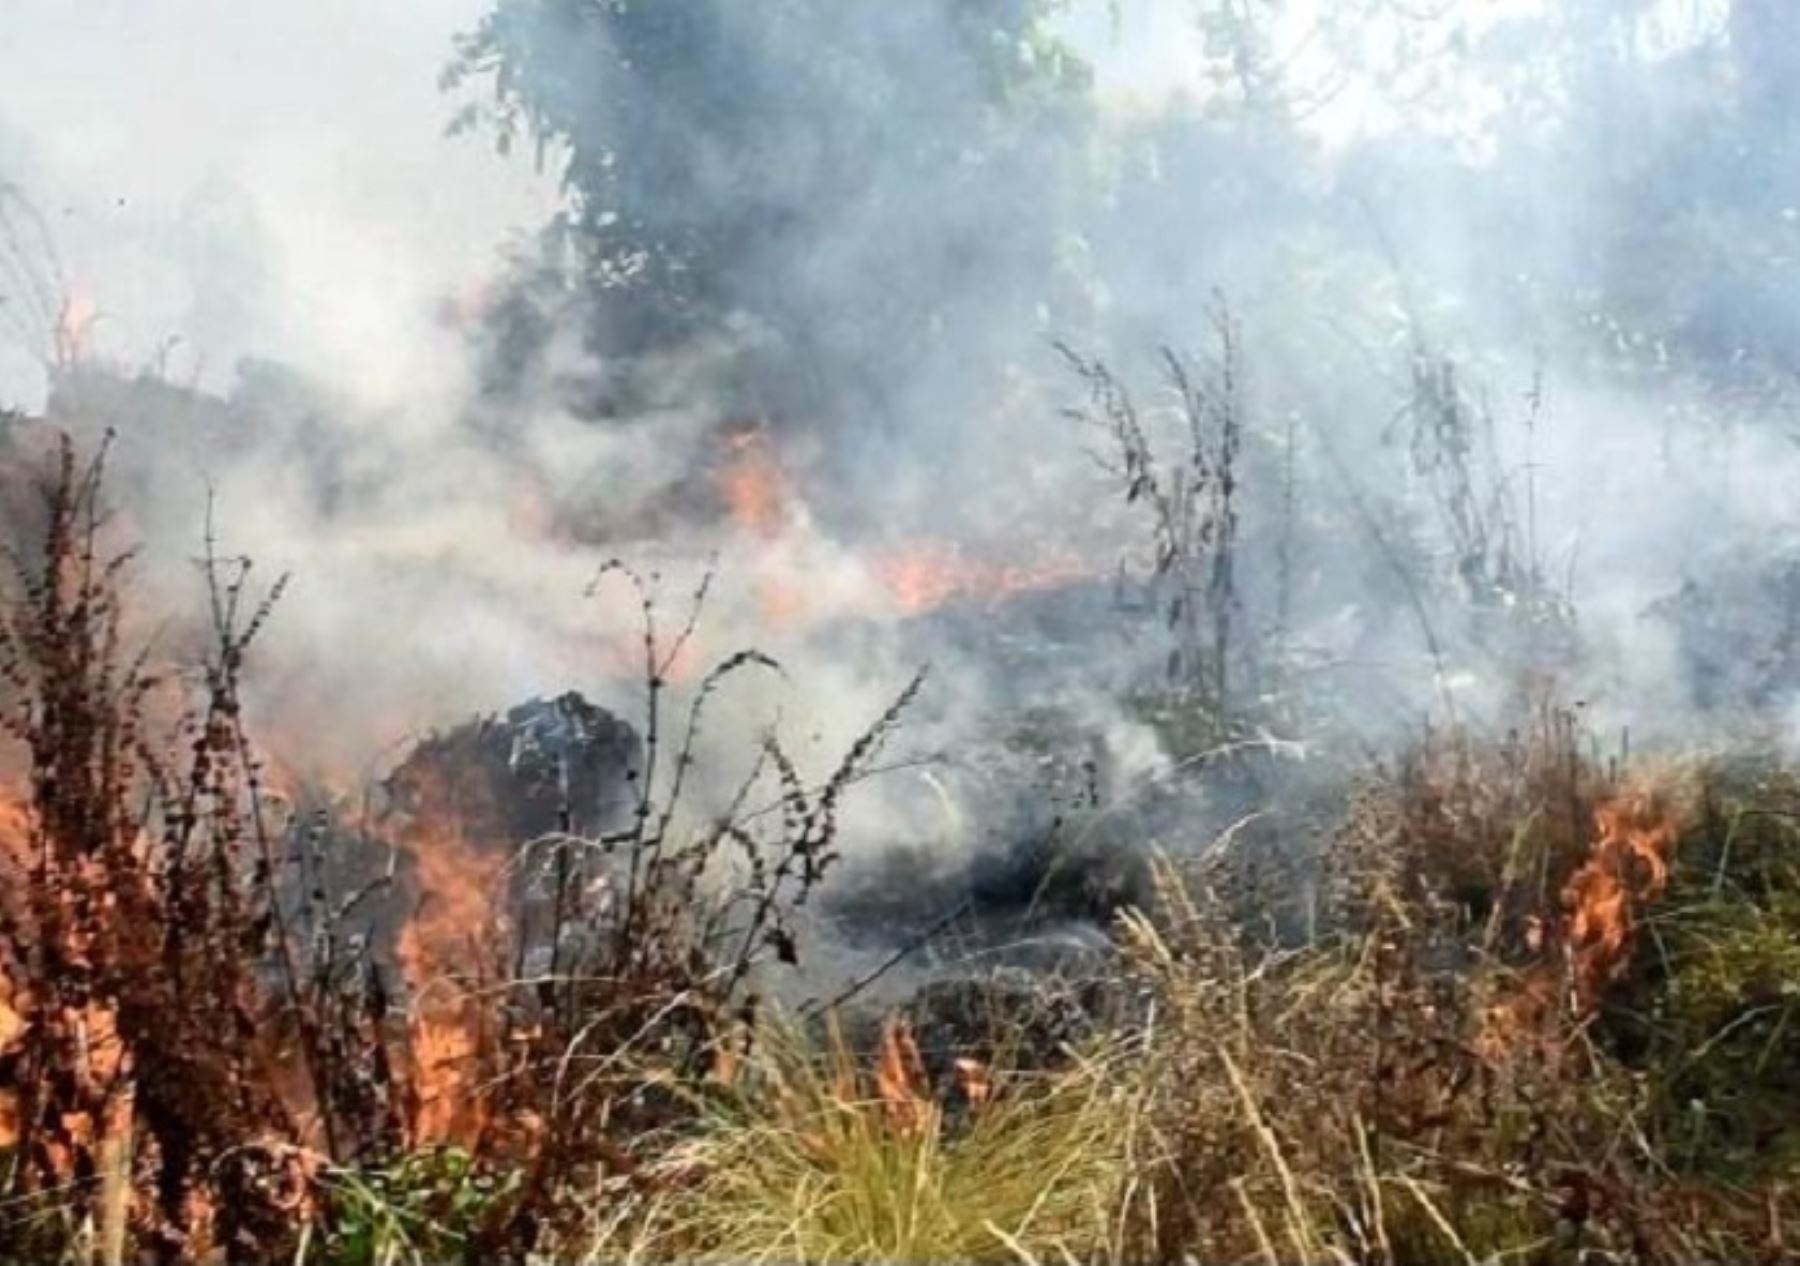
x=193 y=1060
x=137 y=908
x=1545 y=1016
x=1435 y=1078
x=816 y=1158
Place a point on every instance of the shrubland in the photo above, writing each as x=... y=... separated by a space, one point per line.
x=1518 y=997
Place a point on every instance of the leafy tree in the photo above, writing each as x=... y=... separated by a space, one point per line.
x=828 y=174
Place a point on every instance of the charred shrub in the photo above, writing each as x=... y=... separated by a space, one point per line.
x=138 y=905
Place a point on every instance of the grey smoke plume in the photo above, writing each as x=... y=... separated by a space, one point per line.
x=1574 y=221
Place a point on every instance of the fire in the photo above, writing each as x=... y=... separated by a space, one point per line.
x=1521 y=1020
x=1627 y=868
x=444 y=1049
x=753 y=486
x=767 y=507
x=456 y=875
x=900 y=1077
x=74 y=324
x=15 y=823
x=107 y=1061
x=923 y=578
x=755 y=489
x=973 y=1081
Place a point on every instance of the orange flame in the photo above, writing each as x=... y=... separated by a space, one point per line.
x=1627 y=869
x=759 y=491
x=106 y=1059
x=1520 y=1021
x=456 y=874
x=900 y=1077
x=973 y=1081
x=752 y=485
x=75 y=324
x=443 y=1049
x=923 y=578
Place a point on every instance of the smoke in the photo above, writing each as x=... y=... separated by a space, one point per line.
x=422 y=410
x=229 y=185
x=257 y=181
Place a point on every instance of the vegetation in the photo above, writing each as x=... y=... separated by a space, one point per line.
x=1491 y=988
x=202 y=1058
x=703 y=145
x=1523 y=1002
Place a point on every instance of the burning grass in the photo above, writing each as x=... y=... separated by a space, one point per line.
x=1455 y=1068
x=1522 y=1004
x=1442 y=1073
x=202 y=1055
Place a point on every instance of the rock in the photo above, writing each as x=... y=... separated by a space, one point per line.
x=555 y=765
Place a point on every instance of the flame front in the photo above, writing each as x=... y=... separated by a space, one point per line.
x=457 y=870
x=1627 y=869
x=900 y=1078
x=75 y=324
x=923 y=578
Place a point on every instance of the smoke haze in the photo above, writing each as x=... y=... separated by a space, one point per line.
x=260 y=201
x=257 y=180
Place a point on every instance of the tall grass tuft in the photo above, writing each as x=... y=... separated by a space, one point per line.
x=815 y=1158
